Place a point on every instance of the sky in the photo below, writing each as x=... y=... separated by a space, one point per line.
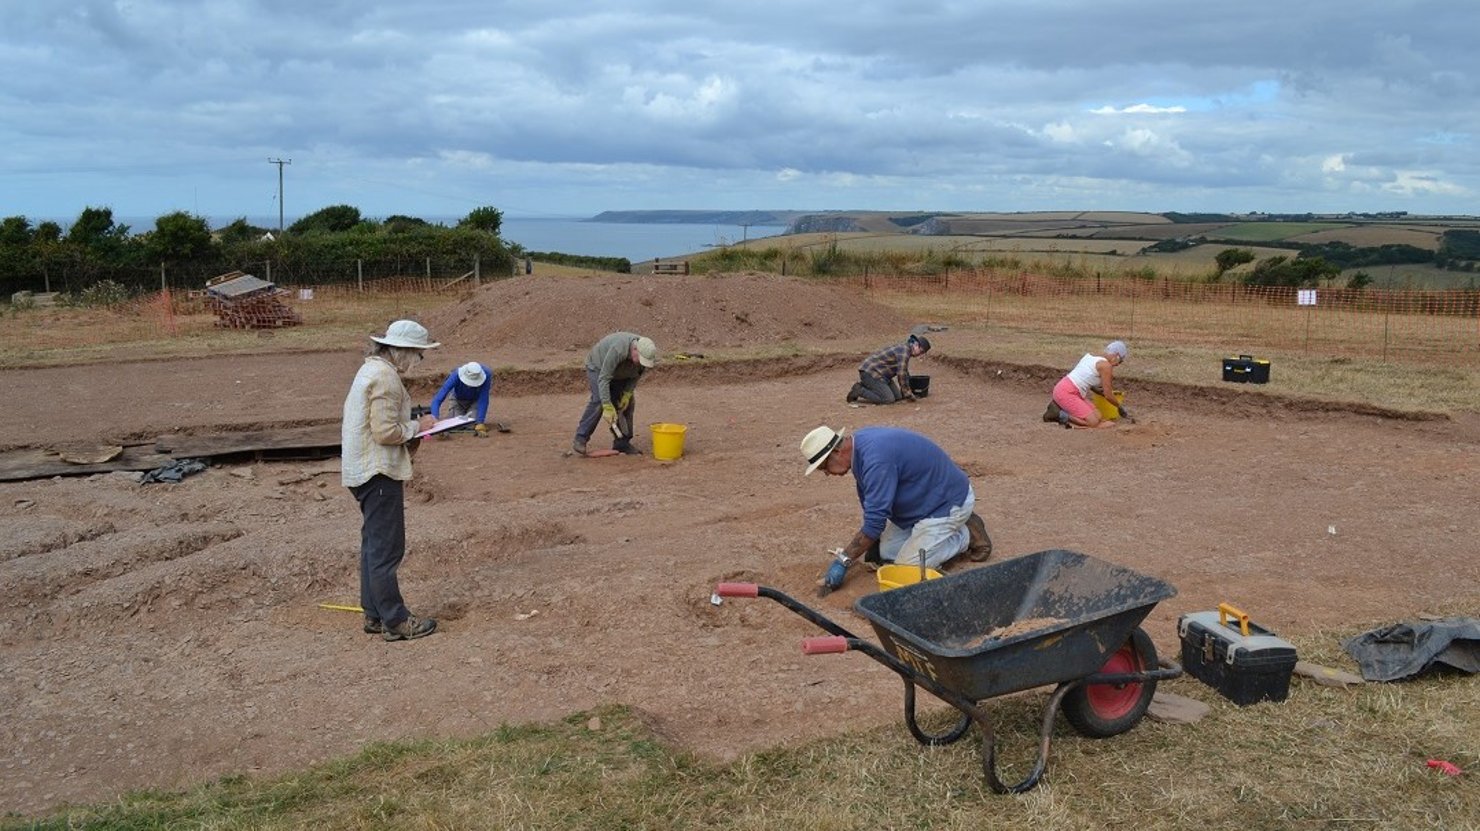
x=549 y=109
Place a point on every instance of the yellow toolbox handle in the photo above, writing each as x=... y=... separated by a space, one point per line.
x=1226 y=609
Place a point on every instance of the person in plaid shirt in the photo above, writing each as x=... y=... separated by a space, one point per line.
x=884 y=377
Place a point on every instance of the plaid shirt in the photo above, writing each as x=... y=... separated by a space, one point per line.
x=889 y=362
x=377 y=426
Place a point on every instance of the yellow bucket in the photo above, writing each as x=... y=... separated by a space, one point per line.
x=1107 y=410
x=668 y=441
x=894 y=576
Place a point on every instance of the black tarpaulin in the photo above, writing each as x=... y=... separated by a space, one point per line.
x=1406 y=649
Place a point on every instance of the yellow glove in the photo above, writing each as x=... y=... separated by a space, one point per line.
x=481 y=430
x=608 y=412
x=625 y=400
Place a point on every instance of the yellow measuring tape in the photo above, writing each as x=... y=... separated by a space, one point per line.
x=336 y=607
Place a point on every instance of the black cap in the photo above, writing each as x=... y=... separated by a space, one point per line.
x=923 y=341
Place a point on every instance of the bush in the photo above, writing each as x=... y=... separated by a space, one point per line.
x=103 y=294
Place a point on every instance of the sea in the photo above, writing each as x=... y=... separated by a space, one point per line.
x=637 y=242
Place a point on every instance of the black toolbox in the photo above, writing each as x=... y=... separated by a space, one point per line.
x=1246 y=369
x=1244 y=662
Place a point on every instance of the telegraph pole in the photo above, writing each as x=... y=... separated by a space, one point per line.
x=280 y=163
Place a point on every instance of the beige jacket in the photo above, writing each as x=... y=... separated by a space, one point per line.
x=377 y=426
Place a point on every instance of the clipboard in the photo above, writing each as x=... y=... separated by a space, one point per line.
x=444 y=425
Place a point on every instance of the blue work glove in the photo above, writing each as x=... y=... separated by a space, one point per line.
x=836 y=572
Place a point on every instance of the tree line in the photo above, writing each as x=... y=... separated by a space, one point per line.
x=321 y=247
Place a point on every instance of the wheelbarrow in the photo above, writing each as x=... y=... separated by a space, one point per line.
x=1055 y=617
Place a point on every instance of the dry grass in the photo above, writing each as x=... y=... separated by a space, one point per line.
x=59 y=336
x=1399 y=361
x=1325 y=758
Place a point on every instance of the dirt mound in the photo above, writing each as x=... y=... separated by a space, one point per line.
x=681 y=313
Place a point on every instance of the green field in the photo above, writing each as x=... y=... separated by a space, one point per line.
x=1272 y=231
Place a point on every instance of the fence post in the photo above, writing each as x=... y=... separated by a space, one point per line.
x=269 y=270
x=163 y=286
x=429 y=268
x=360 y=274
x=477 y=274
x=1386 y=310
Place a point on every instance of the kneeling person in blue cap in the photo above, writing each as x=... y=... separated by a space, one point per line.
x=917 y=503
x=466 y=392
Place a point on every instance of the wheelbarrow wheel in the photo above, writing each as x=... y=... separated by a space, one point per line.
x=1102 y=710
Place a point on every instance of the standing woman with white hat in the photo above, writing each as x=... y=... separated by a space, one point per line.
x=377 y=439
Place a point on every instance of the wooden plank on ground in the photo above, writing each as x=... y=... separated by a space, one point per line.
x=282 y=443
x=1176 y=709
x=41 y=463
x=1327 y=677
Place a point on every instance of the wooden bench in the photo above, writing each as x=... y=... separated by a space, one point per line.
x=680 y=267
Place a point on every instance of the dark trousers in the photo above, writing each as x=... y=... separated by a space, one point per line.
x=592 y=414
x=876 y=390
x=382 y=547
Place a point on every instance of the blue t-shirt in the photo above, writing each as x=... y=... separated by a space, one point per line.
x=903 y=477
x=462 y=392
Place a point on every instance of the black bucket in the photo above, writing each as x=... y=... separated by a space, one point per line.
x=920 y=385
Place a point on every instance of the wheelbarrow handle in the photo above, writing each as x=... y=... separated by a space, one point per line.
x=824 y=645
x=737 y=590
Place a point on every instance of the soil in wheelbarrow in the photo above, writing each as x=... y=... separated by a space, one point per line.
x=1017 y=627
x=161 y=635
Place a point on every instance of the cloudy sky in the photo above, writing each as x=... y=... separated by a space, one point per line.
x=546 y=108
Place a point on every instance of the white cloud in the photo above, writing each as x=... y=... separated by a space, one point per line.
x=788 y=174
x=1415 y=183
x=1334 y=163
x=1138 y=109
x=1061 y=131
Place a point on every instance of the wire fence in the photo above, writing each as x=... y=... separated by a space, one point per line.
x=1434 y=327
x=1409 y=326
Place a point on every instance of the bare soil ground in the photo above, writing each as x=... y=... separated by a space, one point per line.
x=161 y=635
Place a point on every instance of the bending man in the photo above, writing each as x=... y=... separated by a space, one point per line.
x=613 y=368
x=917 y=503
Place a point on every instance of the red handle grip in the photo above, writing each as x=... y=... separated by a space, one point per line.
x=824 y=645
x=737 y=590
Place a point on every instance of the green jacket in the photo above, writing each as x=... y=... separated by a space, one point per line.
x=611 y=358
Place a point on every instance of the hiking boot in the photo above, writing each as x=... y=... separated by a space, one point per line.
x=979 y=543
x=410 y=629
x=1051 y=414
x=578 y=447
x=1064 y=419
x=627 y=450
x=373 y=626
x=854 y=393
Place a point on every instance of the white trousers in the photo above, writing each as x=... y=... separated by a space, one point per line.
x=936 y=540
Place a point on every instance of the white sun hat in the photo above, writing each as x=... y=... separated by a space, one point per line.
x=647 y=351
x=472 y=374
x=818 y=444
x=408 y=334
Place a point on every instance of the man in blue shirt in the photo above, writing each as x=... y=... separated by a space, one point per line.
x=917 y=503
x=468 y=386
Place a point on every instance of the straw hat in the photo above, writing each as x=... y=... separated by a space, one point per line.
x=818 y=444
x=408 y=334
x=472 y=374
